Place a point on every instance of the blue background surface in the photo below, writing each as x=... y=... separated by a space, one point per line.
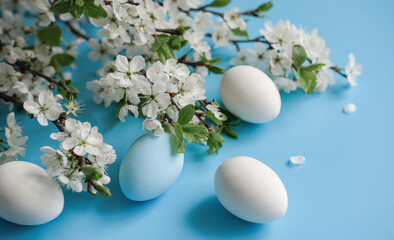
x=344 y=191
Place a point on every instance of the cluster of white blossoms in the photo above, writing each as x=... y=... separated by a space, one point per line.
x=145 y=19
x=155 y=55
x=157 y=89
x=15 y=80
x=77 y=141
x=29 y=72
x=14 y=144
x=274 y=55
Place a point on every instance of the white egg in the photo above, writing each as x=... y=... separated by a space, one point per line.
x=250 y=190
x=149 y=167
x=28 y=195
x=250 y=94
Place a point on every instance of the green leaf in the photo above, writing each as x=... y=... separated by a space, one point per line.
x=214 y=60
x=212 y=117
x=313 y=67
x=230 y=132
x=62 y=6
x=63 y=59
x=165 y=52
x=215 y=69
x=140 y=105
x=50 y=35
x=214 y=142
x=64 y=93
x=93 y=10
x=176 y=42
x=307 y=80
x=299 y=55
x=73 y=89
x=155 y=46
x=104 y=191
x=194 y=133
x=162 y=38
x=57 y=66
x=265 y=7
x=179 y=138
x=186 y=114
x=219 y=3
x=168 y=128
x=234 y=123
x=182 y=29
x=92 y=173
x=238 y=32
x=77 y=9
x=79 y=3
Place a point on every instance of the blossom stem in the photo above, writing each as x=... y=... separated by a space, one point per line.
x=193 y=64
x=169 y=31
x=59 y=125
x=205 y=10
x=2 y=146
x=253 y=13
x=338 y=70
x=24 y=66
x=14 y=100
x=75 y=31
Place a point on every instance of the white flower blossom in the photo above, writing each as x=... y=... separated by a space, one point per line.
x=54 y=160
x=14 y=140
x=244 y=57
x=124 y=111
x=281 y=36
x=153 y=125
x=278 y=62
x=73 y=182
x=221 y=34
x=46 y=109
x=353 y=70
x=285 y=84
x=100 y=50
x=81 y=137
x=158 y=100
x=214 y=108
x=234 y=20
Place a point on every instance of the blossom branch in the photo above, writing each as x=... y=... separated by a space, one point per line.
x=338 y=70
x=24 y=66
x=14 y=100
x=76 y=32
x=192 y=64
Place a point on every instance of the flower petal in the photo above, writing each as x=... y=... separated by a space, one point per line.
x=69 y=143
x=31 y=107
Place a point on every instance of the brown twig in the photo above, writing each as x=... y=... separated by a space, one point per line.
x=193 y=64
x=169 y=31
x=11 y=99
x=76 y=31
x=24 y=66
x=338 y=70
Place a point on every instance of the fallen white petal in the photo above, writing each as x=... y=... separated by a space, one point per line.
x=349 y=108
x=297 y=160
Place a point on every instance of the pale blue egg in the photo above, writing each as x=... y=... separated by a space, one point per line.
x=149 y=167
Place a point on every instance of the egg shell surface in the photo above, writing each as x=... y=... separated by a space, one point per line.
x=250 y=190
x=28 y=195
x=250 y=94
x=149 y=167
